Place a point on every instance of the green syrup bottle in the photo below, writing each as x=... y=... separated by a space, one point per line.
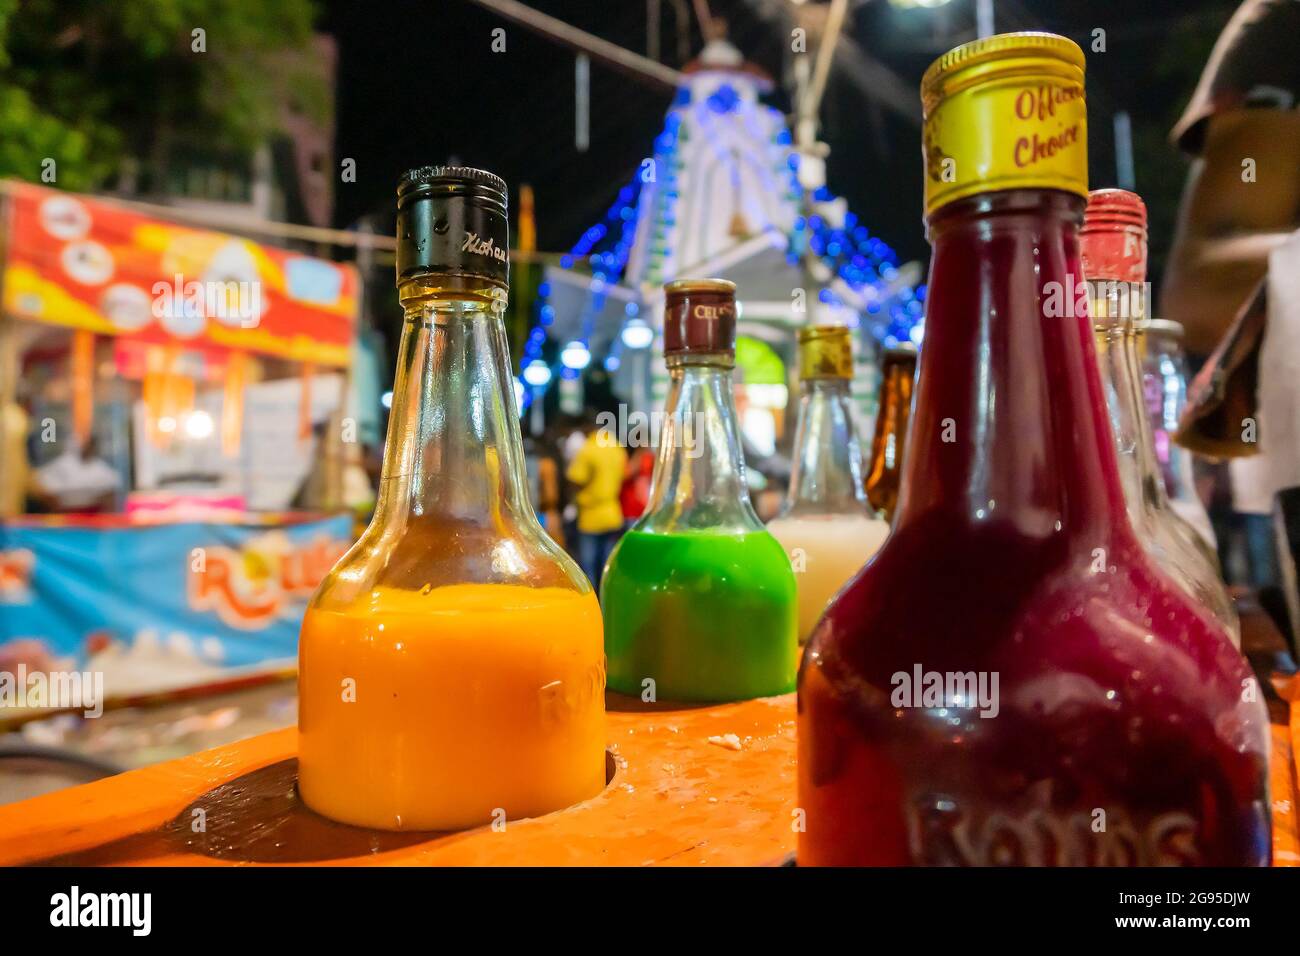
x=698 y=598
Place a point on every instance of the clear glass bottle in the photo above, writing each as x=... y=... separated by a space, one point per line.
x=1164 y=370
x=826 y=525
x=698 y=597
x=897 y=379
x=451 y=665
x=1113 y=252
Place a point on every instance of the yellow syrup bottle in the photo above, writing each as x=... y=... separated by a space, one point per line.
x=451 y=666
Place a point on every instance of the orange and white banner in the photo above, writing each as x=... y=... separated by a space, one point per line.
x=90 y=264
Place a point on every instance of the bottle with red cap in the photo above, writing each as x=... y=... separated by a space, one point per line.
x=1113 y=250
x=698 y=597
x=1011 y=679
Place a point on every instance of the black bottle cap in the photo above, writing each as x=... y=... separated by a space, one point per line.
x=451 y=220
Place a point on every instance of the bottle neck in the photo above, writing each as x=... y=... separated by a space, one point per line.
x=1152 y=481
x=826 y=475
x=699 y=475
x=1168 y=378
x=454 y=452
x=1010 y=424
x=1119 y=310
x=1113 y=341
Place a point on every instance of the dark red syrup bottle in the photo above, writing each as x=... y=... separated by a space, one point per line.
x=1011 y=680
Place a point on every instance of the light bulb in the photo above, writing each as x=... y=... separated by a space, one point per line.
x=537 y=373
x=637 y=334
x=575 y=356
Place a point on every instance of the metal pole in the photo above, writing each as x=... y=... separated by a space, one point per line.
x=581 y=103
x=653 y=20
x=608 y=53
x=810 y=148
x=1124 y=175
x=706 y=19
x=825 y=54
x=984 y=17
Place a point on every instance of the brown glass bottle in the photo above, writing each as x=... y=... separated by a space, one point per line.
x=897 y=375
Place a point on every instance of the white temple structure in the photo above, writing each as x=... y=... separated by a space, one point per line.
x=725 y=194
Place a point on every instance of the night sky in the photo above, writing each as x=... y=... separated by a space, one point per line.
x=418 y=83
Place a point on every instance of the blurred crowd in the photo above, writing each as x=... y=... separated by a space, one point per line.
x=588 y=489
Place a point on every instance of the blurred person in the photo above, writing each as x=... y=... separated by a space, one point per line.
x=569 y=437
x=1240 y=206
x=15 y=466
x=1242 y=198
x=359 y=494
x=768 y=500
x=313 y=492
x=78 y=480
x=550 y=499
x=339 y=477
x=533 y=472
x=545 y=485
x=635 y=494
x=597 y=472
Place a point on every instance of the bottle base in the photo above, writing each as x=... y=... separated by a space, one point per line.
x=425 y=816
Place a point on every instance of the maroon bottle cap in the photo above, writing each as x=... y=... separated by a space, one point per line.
x=1113 y=241
x=699 y=316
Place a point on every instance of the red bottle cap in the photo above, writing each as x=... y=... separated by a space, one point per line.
x=1114 y=236
x=699 y=316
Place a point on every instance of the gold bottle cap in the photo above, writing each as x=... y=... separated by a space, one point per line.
x=825 y=351
x=1165 y=327
x=1005 y=112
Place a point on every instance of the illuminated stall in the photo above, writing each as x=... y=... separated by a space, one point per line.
x=175 y=434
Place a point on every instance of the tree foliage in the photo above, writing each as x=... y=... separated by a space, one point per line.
x=89 y=83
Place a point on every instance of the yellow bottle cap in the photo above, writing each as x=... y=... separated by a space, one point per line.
x=825 y=351
x=1005 y=112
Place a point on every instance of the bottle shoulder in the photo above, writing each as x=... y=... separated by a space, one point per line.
x=434 y=552
x=666 y=559
x=989 y=593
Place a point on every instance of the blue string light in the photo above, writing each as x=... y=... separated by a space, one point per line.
x=865 y=263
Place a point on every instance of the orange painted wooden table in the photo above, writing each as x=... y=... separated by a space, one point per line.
x=689 y=787
x=703 y=786
x=1282 y=775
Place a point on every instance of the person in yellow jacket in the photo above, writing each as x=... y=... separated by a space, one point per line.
x=597 y=472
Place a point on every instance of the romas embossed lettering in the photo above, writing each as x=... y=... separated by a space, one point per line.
x=941 y=833
x=1040 y=104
